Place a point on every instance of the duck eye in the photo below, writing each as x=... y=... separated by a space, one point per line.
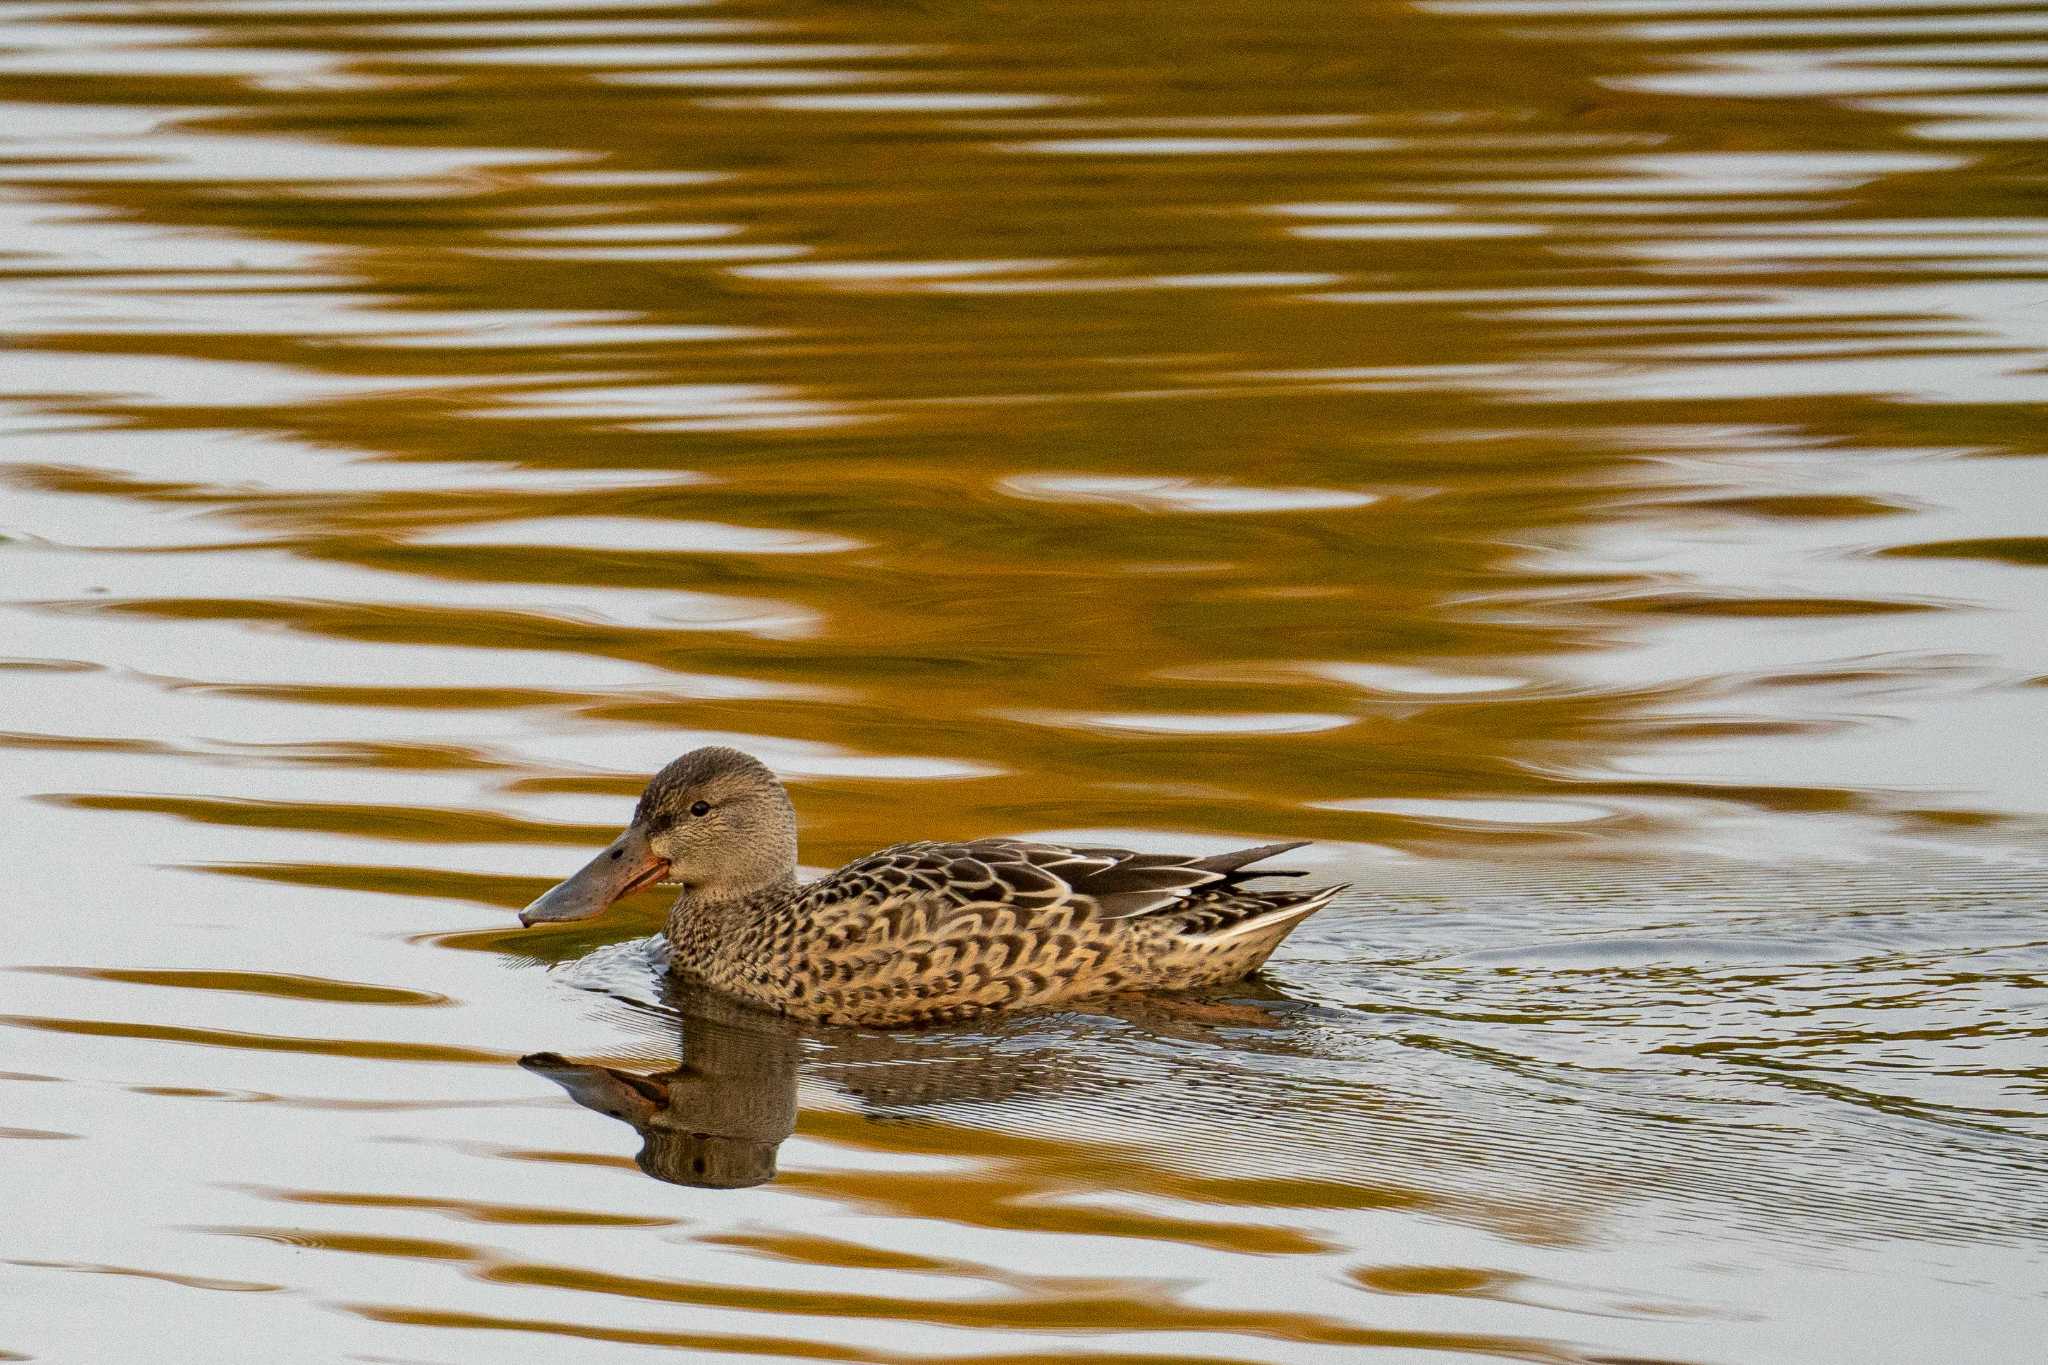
x=700 y=808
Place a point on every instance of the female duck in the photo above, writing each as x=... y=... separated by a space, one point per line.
x=926 y=932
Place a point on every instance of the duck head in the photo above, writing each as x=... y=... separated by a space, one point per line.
x=715 y=820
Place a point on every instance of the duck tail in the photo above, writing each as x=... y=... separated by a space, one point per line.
x=1275 y=919
x=1227 y=864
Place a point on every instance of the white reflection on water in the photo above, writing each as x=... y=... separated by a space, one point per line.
x=1480 y=810
x=1180 y=495
x=1972 y=118
x=1410 y=679
x=678 y=407
x=657 y=532
x=224 y=572
x=1162 y=723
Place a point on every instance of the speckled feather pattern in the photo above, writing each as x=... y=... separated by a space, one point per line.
x=930 y=932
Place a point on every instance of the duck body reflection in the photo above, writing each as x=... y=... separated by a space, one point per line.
x=921 y=933
x=718 y=1117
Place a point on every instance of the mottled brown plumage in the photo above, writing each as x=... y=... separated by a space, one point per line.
x=923 y=932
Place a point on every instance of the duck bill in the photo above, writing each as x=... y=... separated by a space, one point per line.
x=621 y=869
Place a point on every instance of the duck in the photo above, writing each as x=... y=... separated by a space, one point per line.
x=921 y=933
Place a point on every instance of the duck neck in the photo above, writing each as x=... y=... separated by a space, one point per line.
x=728 y=902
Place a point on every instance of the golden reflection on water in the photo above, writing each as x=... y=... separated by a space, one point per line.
x=1578 y=463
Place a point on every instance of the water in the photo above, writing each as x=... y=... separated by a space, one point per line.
x=1580 y=463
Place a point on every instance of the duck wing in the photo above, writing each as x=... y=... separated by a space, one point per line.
x=928 y=884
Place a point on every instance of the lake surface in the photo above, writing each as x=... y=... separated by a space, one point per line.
x=1581 y=462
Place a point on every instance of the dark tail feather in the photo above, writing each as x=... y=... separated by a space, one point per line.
x=1227 y=863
